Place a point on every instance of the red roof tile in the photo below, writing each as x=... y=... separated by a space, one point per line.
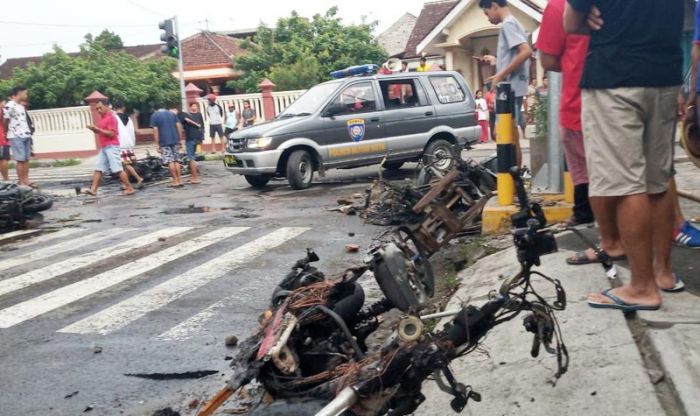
x=431 y=15
x=208 y=48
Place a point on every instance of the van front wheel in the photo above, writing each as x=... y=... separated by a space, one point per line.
x=300 y=169
x=439 y=153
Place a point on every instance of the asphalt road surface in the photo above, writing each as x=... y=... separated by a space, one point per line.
x=153 y=283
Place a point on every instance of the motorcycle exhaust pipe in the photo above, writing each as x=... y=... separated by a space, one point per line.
x=342 y=402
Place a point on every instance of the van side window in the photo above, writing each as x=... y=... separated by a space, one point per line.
x=401 y=93
x=447 y=89
x=357 y=98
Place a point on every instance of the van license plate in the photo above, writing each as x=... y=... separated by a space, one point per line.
x=229 y=160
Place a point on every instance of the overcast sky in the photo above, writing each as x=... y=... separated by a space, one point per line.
x=31 y=27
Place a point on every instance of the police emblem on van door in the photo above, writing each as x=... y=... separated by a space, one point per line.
x=356 y=129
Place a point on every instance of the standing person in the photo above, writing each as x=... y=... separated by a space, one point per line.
x=404 y=66
x=107 y=131
x=630 y=86
x=512 y=62
x=215 y=112
x=566 y=53
x=167 y=133
x=482 y=115
x=232 y=120
x=543 y=90
x=491 y=103
x=248 y=115
x=32 y=129
x=18 y=133
x=423 y=65
x=193 y=124
x=4 y=148
x=127 y=141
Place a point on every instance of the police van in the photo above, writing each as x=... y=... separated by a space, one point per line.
x=358 y=121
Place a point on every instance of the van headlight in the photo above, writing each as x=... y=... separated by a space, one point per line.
x=260 y=143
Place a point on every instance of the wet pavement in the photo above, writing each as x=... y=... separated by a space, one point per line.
x=152 y=284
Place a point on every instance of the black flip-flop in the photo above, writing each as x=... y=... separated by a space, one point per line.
x=620 y=304
x=580 y=258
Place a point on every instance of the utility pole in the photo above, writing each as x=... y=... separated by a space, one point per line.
x=181 y=66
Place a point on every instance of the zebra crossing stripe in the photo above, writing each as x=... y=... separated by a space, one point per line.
x=49 y=237
x=123 y=313
x=47 y=302
x=53 y=250
x=15 y=234
x=186 y=329
x=74 y=263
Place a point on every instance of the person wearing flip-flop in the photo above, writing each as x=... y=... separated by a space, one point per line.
x=167 y=132
x=109 y=158
x=628 y=117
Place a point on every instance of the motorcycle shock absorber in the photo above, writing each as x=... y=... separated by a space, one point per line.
x=375 y=310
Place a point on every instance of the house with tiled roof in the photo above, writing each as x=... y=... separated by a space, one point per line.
x=453 y=32
x=208 y=59
x=395 y=38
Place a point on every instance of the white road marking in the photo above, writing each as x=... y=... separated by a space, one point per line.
x=123 y=313
x=68 y=294
x=187 y=329
x=74 y=263
x=49 y=237
x=42 y=253
x=15 y=234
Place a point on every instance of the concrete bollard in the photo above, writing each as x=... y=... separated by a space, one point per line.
x=506 y=134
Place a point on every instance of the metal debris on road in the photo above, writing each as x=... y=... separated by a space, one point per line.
x=174 y=376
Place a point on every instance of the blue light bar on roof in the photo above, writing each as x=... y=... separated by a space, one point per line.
x=356 y=70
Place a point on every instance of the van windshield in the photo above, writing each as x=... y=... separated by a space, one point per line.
x=311 y=101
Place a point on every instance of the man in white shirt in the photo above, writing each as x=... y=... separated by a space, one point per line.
x=127 y=141
x=18 y=132
x=215 y=112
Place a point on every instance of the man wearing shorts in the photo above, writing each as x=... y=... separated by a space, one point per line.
x=512 y=61
x=109 y=159
x=193 y=124
x=167 y=132
x=215 y=112
x=127 y=141
x=630 y=86
x=4 y=149
x=16 y=127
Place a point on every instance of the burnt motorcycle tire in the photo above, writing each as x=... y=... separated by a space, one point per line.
x=37 y=203
x=350 y=305
x=289 y=408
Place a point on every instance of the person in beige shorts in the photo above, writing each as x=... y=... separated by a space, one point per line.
x=630 y=87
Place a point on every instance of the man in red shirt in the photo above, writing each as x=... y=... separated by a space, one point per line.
x=566 y=53
x=490 y=98
x=109 y=159
x=4 y=149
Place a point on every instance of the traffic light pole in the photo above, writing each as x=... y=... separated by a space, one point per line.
x=181 y=66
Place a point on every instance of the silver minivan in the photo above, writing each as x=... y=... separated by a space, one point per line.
x=355 y=122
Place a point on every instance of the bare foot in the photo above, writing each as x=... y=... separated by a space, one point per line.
x=194 y=181
x=128 y=192
x=666 y=281
x=139 y=184
x=629 y=296
x=89 y=192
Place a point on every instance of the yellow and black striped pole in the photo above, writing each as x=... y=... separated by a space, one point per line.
x=505 y=142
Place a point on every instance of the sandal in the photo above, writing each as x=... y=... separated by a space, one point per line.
x=620 y=304
x=581 y=258
x=89 y=192
x=572 y=221
x=678 y=287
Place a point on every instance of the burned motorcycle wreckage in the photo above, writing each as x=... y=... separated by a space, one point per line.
x=310 y=355
x=393 y=202
x=19 y=204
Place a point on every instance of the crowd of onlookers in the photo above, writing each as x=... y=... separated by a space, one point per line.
x=621 y=65
x=116 y=138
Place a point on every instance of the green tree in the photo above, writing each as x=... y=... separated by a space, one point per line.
x=106 y=39
x=61 y=80
x=295 y=40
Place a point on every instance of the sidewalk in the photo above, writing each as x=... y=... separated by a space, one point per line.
x=607 y=374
